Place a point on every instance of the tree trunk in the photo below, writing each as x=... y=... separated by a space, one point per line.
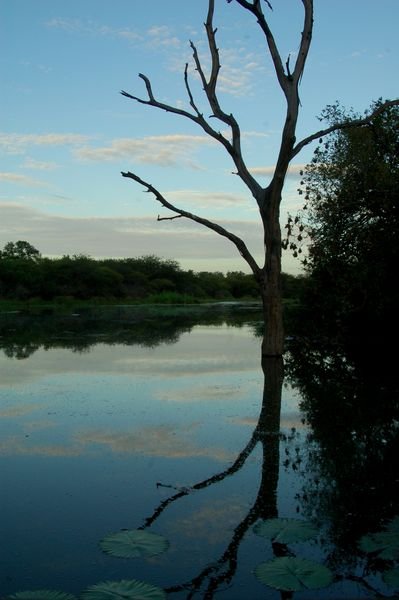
x=270 y=281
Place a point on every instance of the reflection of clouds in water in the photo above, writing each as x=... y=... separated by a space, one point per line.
x=20 y=410
x=287 y=420
x=163 y=441
x=23 y=447
x=39 y=425
x=200 y=394
x=210 y=523
x=183 y=366
x=202 y=351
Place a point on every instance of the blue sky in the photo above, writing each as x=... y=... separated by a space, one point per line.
x=66 y=133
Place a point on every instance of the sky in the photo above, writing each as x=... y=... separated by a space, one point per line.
x=66 y=132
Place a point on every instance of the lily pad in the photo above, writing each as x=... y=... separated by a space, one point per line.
x=134 y=543
x=286 y=531
x=293 y=574
x=124 y=590
x=41 y=595
x=384 y=543
x=394 y=524
x=391 y=577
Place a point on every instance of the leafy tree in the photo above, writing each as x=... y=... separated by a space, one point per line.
x=268 y=199
x=351 y=221
x=20 y=250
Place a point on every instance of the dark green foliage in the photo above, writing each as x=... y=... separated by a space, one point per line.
x=26 y=275
x=293 y=574
x=134 y=543
x=20 y=250
x=350 y=219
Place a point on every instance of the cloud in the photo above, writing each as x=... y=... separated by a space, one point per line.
x=200 y=199
x=238 y=68
x=17 y=143
x=21 y=180
x=79 y=26
x=56 y=235
x=293 y=170
x=193 y=246
x=161 y=35
x=157 y=36
x=38 y=165
x=165 y=150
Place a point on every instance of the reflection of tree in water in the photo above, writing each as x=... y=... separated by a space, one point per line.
x=351 y=484
x=350 y=399
x=266 y=433
x=21 y=334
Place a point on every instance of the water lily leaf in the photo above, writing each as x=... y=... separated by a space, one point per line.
x=286 y=531
x=384 y=543
x=124 y=590
x=391 y=577
x=134 y=543
x=293 y=574
x=394 y=525
x=41 y=595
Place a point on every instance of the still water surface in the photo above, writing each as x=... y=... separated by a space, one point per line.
x=96 y=438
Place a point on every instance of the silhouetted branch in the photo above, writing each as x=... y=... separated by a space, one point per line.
x=168 y=218
x=345 y=125
x=238 y=242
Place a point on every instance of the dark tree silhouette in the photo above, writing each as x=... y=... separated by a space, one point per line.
x=268 y=199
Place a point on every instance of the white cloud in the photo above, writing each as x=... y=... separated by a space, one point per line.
x=21 y=180
x=79 y=26
x=161 y=35
x=18 y=143
x=38 y=165
x=208 y=199
x=268 y=171
x=162 y=150
x=56 y=235
x=193 y=246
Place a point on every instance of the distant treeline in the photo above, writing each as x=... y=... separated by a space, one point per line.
x=26 y=275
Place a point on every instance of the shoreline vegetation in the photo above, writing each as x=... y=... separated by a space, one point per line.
x=28 y=280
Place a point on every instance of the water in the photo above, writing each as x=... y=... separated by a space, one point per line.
x=101 y=424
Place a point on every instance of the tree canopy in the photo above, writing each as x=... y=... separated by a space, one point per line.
x=350 y=220
x=25 y=275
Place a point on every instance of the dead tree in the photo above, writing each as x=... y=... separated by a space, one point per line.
x=268 y=199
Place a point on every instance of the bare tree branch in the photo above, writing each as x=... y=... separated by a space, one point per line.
x=306 y=39
x=168 y=218
x=345 y=125
x=238 y=242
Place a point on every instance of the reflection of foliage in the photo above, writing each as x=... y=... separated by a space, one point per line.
x=385 y=544
x=21 y=334
x=350 y=398
x=18 y=351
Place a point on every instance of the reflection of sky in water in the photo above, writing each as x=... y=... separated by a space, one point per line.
x=84 y=438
